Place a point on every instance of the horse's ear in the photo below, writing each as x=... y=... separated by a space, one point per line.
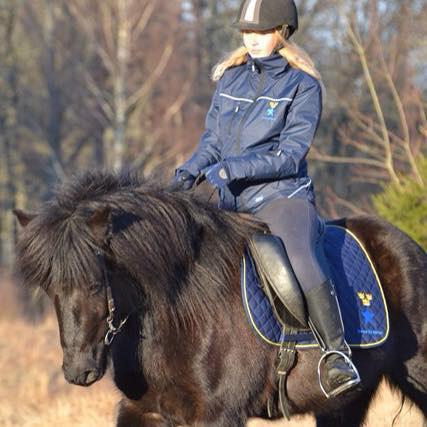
x=24 y=218
x=100 y=222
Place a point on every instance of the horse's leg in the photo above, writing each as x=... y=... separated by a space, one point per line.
x=408 y=372
x=350 y=415
x=130 y=415
x=411 y=380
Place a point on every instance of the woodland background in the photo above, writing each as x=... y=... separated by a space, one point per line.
x=125 y=84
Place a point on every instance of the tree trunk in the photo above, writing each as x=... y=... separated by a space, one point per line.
x=8 y=142
x=56 y=107
x=120 y=95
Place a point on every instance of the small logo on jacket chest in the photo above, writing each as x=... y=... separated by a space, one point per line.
x=271 y=111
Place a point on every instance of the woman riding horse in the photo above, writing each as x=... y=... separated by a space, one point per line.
x=260 y=126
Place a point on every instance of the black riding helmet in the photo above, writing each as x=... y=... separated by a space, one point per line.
x=261 y=15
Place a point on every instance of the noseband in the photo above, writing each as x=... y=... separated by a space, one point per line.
x=112 y=330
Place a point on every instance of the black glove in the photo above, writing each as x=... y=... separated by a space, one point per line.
x=183 y=181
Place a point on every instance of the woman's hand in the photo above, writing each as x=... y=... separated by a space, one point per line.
x=217 y=176
x=183 y=181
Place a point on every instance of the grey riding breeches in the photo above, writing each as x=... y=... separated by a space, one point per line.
x=296 y=222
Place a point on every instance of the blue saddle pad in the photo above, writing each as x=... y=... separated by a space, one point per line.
x=359 y=291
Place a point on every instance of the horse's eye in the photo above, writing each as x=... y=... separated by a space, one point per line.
x=95 y=288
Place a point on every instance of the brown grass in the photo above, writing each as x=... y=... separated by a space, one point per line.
x=33 y=392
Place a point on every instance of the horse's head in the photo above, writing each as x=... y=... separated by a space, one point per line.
x=66 y=257
x=82 y=326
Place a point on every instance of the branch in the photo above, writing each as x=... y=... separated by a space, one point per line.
x=365 y=180
x=363 y=147
x=147 y=87
x=102 y=101
x=360 y=145
x=140 y=24
x=77 y=149
x=335 y=199
x=402 y=117
x=345 y=160
x=88 y=24
x=423 y=127
x=56 y=164
x=372 y=124
x=169 y=114
x=368 y=126
x=107 y=28
x=375 y=99
x=364 y=174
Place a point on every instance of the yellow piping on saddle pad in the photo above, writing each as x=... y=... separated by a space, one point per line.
x=305 y=346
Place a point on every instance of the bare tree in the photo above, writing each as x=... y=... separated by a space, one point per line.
x=118 y=32
x=382 y=136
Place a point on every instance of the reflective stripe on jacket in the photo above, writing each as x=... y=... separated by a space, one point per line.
x=260 y=125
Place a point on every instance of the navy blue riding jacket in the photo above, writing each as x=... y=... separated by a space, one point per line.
x=260 y=126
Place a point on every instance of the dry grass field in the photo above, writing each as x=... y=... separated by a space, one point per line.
x=33 y=392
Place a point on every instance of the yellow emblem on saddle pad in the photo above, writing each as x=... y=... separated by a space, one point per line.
x=366 y=298
x=273 y=105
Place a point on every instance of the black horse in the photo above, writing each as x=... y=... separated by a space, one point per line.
x=107 y=249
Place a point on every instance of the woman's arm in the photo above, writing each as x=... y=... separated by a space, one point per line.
x=295 y=141
x=208 y=151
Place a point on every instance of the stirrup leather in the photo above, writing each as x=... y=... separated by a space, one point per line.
x=347 y=385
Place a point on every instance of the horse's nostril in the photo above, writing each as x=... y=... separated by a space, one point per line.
x=90 y=377
x=84 y=379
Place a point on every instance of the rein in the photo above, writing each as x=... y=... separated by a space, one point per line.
x=197 y=182
x=112 y=330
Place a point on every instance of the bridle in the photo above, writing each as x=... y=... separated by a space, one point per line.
x=112 y=330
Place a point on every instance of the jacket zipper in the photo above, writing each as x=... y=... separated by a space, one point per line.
x=236 y=110
x=258 y=93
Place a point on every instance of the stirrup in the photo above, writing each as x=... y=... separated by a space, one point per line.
x=347 y=385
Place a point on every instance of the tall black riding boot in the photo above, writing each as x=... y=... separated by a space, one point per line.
x=336 y=371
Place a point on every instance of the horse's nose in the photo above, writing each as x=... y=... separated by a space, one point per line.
x=83 y=377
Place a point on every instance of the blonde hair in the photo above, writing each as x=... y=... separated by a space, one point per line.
x=296 y=57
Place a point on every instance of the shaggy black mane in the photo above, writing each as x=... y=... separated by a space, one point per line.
x=178 y=249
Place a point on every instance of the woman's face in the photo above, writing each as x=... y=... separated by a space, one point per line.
x=260 y=43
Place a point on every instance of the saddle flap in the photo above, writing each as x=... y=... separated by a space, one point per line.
x=276 y=274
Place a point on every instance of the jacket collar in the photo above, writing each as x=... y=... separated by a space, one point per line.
x=273 y=65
